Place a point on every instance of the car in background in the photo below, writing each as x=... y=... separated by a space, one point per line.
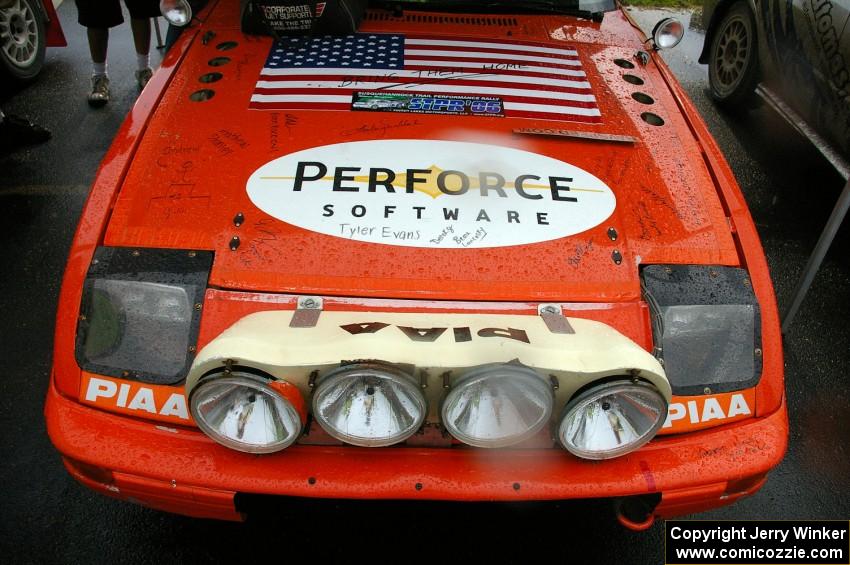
x=27 y=28
x=799 y=49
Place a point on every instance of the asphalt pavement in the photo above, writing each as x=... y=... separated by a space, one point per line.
x=46 y=517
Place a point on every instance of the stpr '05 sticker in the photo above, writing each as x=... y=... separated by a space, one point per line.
x=373 y=101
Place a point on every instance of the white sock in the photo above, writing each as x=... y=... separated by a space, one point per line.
x=98 y=69
x=143 y=61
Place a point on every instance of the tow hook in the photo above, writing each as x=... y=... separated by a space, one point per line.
x=637 y=513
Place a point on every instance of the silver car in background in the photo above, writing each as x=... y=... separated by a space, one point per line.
x=798 y=49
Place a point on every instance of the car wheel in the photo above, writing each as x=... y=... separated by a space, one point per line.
x=733 y=59
x=22 y=40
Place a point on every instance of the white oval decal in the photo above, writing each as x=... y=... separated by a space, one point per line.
x=426 y=193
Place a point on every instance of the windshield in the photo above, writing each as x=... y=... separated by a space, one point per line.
x=580 y=7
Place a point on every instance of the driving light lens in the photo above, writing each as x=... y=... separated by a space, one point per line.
x=369 y=405
x=612 y=419
x=243 y=412
x=497 y=406
x=668 y=33
x=177 y=12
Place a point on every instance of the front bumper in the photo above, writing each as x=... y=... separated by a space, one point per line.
x=181 y=470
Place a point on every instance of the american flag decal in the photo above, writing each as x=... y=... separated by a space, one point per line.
x=322 y=73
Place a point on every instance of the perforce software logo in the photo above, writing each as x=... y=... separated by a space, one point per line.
x=392 y=192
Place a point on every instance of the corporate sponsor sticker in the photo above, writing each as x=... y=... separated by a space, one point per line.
x=431 y=194
x=692 y=413
x=155 y=402
x=292 y=17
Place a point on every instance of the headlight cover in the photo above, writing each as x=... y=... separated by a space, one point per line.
x=667 y=33
x=706 y=327
x=176 y=12
x=140 y=313
x=611 y=419
x=369 y=404
x=497 y=405
x=244 y=411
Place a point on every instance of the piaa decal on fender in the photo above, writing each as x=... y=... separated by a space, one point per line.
x=426 y=193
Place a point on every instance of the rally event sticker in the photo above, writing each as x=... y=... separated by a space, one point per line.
x=431 y=194
x=375 y=101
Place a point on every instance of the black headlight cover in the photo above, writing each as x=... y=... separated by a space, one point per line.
x=706 y=326
x=140 y=313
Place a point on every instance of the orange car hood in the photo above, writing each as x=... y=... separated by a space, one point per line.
x=283 y=195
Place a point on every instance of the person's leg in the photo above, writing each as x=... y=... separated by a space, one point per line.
x=98 y=16
x=141 y=12
x=142 y=40
x=141 y=35
x=98 y=45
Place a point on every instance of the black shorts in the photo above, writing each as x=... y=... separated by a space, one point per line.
x=107 y=13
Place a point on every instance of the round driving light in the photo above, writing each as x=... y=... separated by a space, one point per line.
x=369 y=405
x=497 y=405
x=245 y=412
x=667 y=33
x=177 y=12
x=612 y=419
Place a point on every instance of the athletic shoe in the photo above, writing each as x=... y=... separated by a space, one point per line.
x=16 y=132
x=143 y=76
x=99 y=94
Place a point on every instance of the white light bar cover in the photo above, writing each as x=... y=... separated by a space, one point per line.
x=433 y=343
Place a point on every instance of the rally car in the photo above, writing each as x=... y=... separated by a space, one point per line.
x=543 y=283
x=798 y=51
x=377 y=103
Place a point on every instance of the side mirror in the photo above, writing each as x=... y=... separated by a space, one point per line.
x=667 y=33
x=177 y=12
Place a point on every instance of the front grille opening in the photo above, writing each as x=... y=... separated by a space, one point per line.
x=347 y=516
x=379 y=16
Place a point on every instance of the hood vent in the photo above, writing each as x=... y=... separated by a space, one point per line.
x=377 y=16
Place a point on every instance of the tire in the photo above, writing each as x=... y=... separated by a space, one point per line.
x=733 y=72
x=23 y=39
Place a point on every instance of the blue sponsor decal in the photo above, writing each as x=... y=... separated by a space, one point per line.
x=377 y=101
